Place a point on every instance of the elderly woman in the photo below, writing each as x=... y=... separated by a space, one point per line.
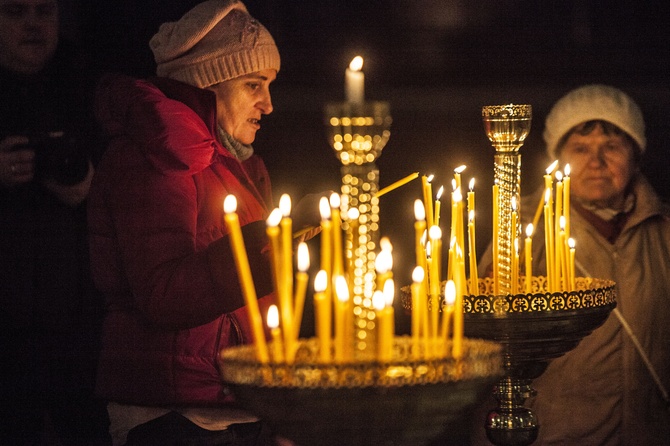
x=602 y=392
x=180 y=143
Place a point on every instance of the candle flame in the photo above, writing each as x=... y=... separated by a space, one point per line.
x=547 y=195
x=356 y=64
x=460 y=169
x=353 y=214
x=430 y=178
x=559 y=175
x=385 y=244
x=229 y=204
x=378 y=300
x=472 y=184
x=273 y=317
x=551 y=167
x=274 y=218
x=341 y=289
x=529 y=230
x=389 y=292
x=383 y=262
x=513 y=203
x=561 y=222
x=303 y=257
x=571 y=243
x=440 y=191
x=320 y=281
x=419 y=210
x=567 y=170
x=471 y=215
x=285 y=205
x=458 y=196
x=454 y=184
x=324 y=208
x=435 y=233
x=450 y=292
x=334 y=201
x=418 y=274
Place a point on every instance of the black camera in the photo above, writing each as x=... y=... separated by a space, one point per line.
x=59 y=156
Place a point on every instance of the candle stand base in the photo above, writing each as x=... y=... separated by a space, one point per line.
x=532 y=329
x=364 y=402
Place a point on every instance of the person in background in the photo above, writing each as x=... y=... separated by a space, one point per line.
x=180 y=143
x=602 y=392
x=50 y=313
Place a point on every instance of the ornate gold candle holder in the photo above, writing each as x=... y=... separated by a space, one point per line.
x=358 y=132
x=362 y=402
x=507 y=127
x=533 y=329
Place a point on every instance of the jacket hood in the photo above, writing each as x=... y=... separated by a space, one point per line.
x=170 y=122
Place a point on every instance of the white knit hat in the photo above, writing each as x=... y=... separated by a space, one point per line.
x=215 y=41
x=589 y=103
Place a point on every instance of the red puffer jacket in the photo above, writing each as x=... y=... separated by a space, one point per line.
x=159 y=248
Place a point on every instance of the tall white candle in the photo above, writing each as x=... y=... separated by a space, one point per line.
x=354 y=81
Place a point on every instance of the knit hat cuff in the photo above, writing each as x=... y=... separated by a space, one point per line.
x=213 y=70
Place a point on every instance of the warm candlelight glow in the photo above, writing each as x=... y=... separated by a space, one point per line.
x=356 y=64
x=322 y=315
x=341 y=305
x=528 y=254
x=354 y=81
x=275 y=332
x=300 y=287
x=229 y=204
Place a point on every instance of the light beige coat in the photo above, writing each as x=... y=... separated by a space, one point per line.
x=601 y=393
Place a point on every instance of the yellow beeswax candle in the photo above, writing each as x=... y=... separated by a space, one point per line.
x=286 y=292
x=275 y=332
x=562 y=245
x=428 y=198
x=472 y=254
x=566 y=199
x=337 y=234
x=434 y=234
x=457 y=338
x=389 y=295
x=383 y=341
x=528 y=254
x=571 y=264
x=549 y=242
x=353 y=214
x=322 y=316
x=457 y=176
x=244 y=273
x=341 y=306
x=326 y=243
x=496 y=234
x=513 y=236
x=419 y=229
x=438 y=205
x=397 y=184
x=448 y=312
x=548 y=184
x=301 y=287
x=273 y=233
x=417 y=302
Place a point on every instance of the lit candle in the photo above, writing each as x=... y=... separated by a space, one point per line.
x=457 y=175
x=472 y=254
x=354 y=81
x=273 y=234
x=244 y=273
x=384 y=263
x=397 y=184
x=558 y=213
x=301 y=286
x=275 y=331
x=513 y=240
x=566 y=199
x=417 y=302
x=528 y=254
x=434 y=234
x=322 y=315
x=436 y=219
x=341 y=305
x=419 y=229
x=549 y=241
x=562 y=245
x=326 y=242
x=571 y=266
x=457 y=338
x=496 y=233
x=548 y=184
x=353 y=214
x=337 y=234
x=286 y=290
x=428 y=198
x=447 y=314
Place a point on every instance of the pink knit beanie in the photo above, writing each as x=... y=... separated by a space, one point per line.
x=215 y=41
x=591 y=103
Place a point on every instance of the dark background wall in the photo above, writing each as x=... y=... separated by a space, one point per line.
x=436 y=62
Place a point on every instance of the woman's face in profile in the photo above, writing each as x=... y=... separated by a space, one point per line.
x=241 y=102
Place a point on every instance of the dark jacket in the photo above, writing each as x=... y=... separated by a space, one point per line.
x=159 y=248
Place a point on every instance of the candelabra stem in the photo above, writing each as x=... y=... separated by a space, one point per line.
x=508 y=177
x=512 y=424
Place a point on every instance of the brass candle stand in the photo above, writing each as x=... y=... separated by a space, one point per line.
x=403 y=401
x=358 y=132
